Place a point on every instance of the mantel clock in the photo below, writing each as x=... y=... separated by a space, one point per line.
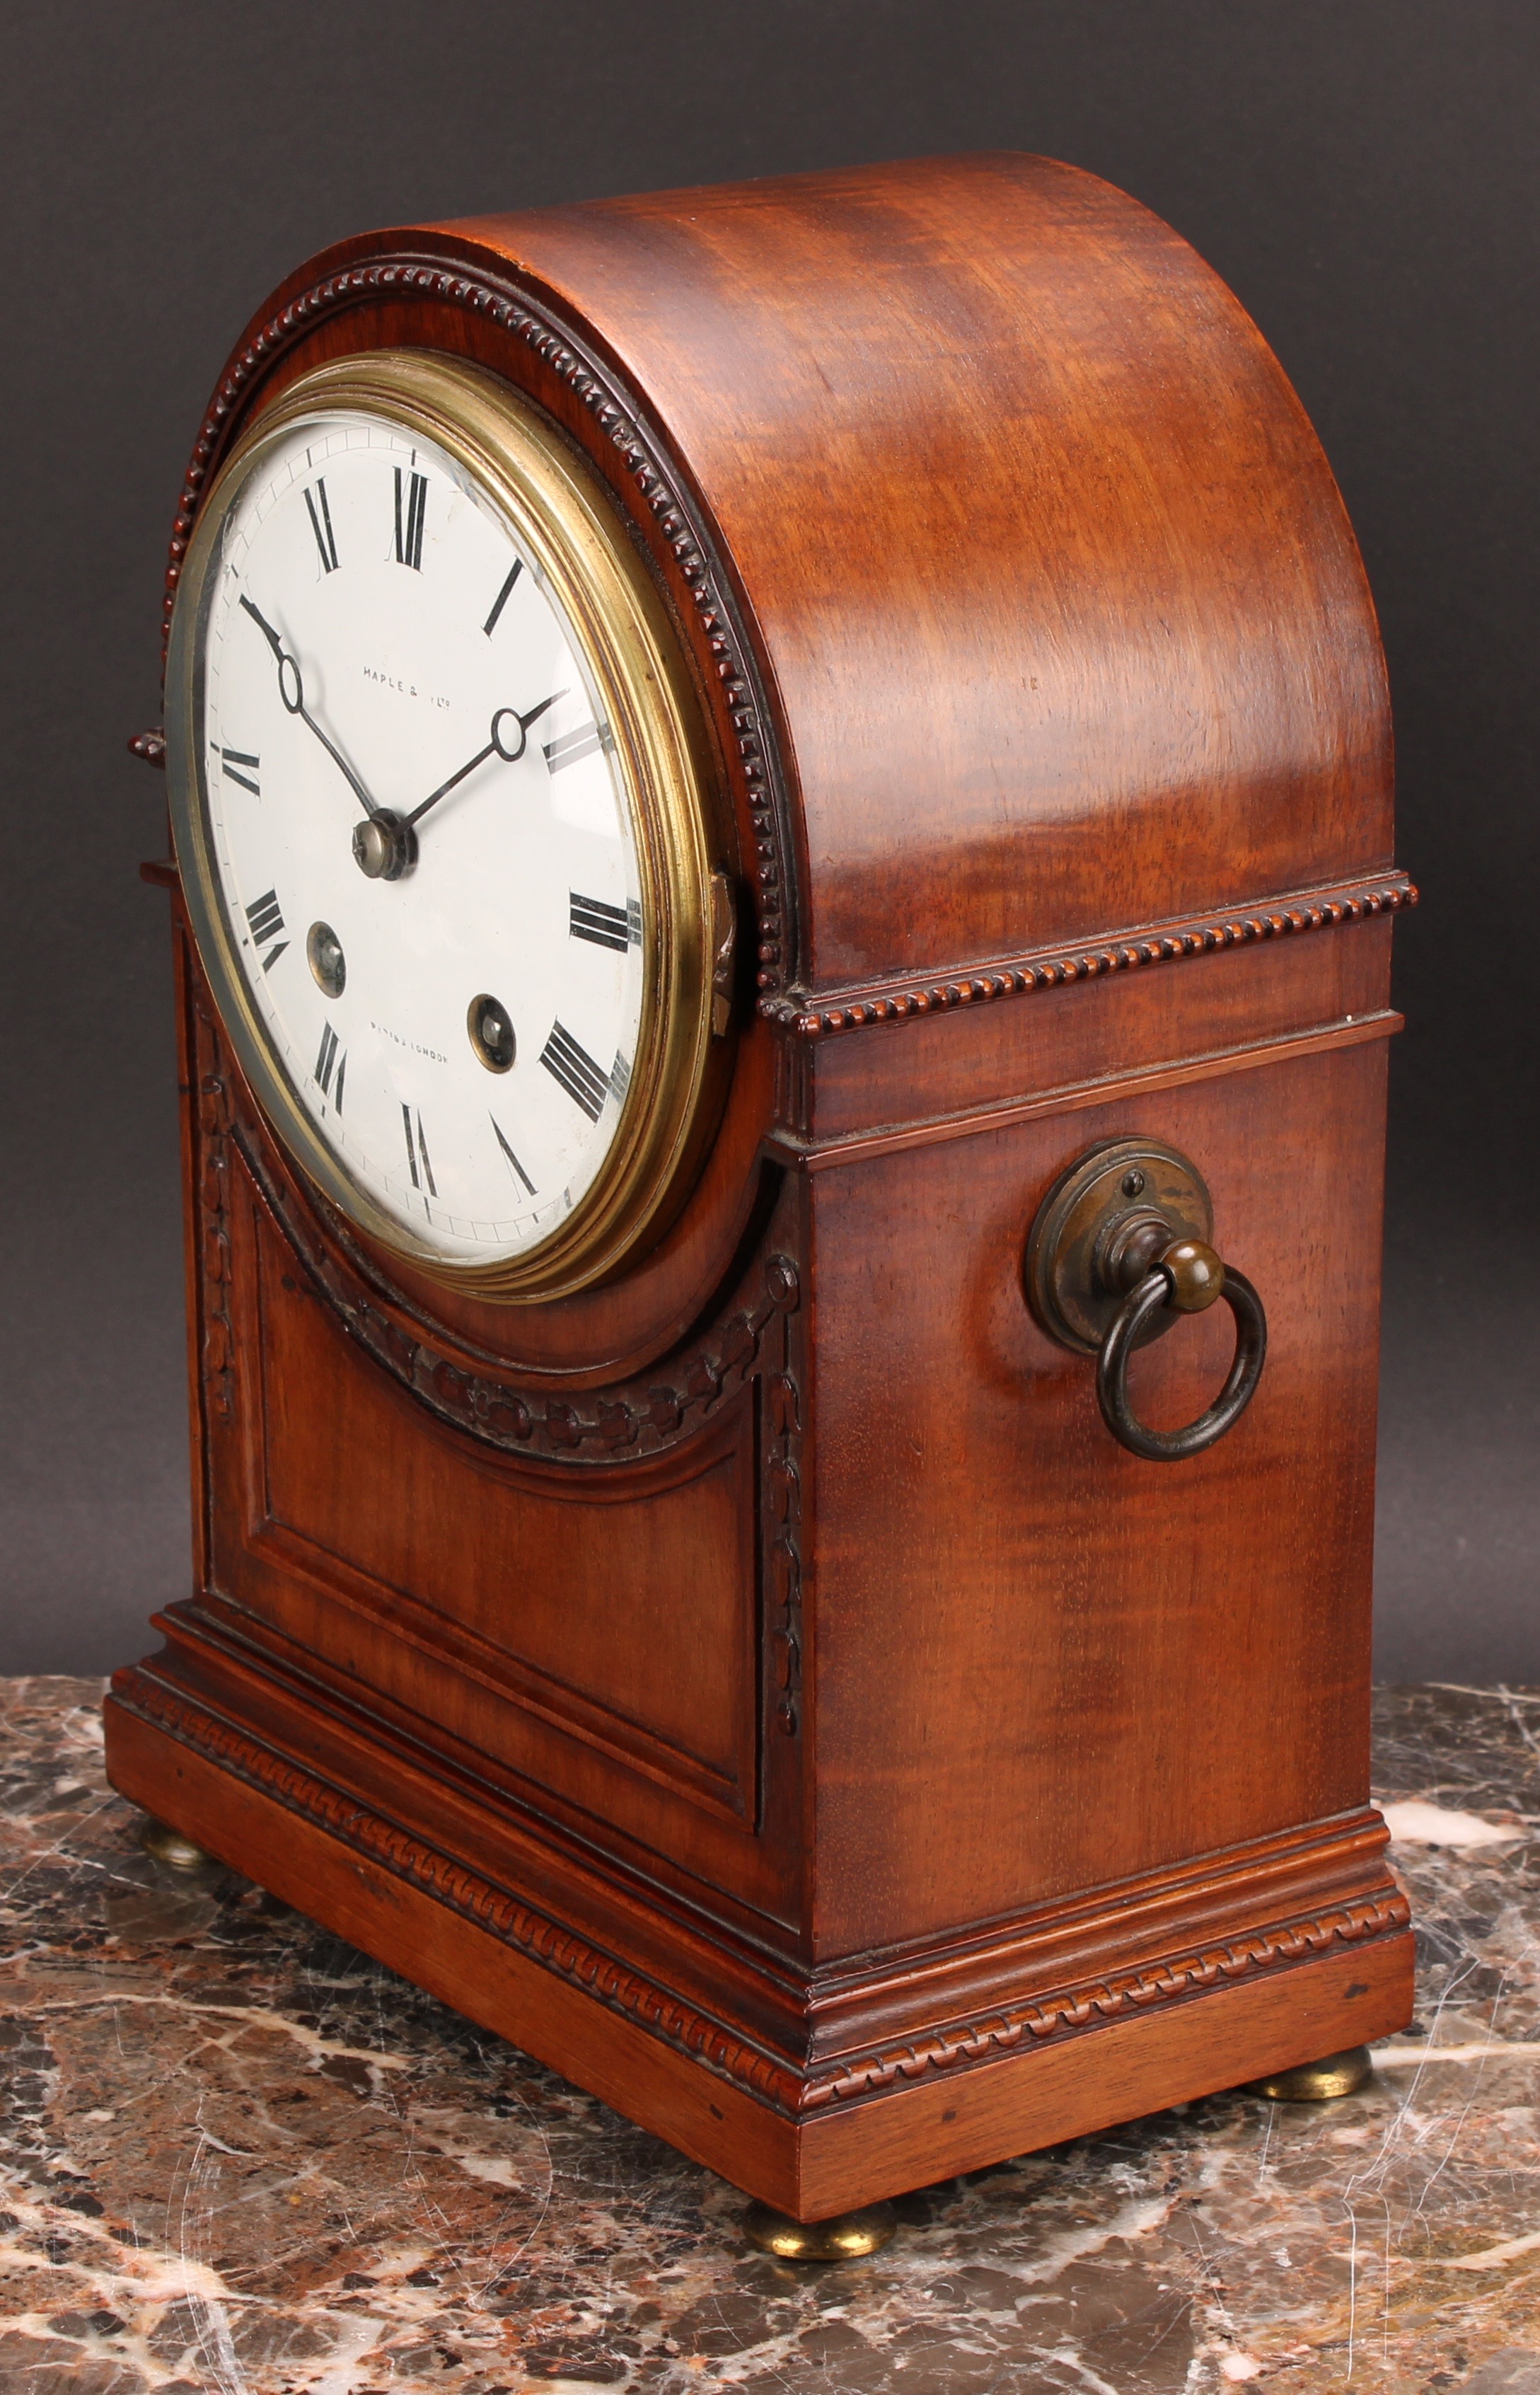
x=781 y=889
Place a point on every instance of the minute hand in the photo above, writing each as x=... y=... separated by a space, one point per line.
x=291 y=690
x=501 y=744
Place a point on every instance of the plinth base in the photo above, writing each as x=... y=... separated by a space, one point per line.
x=1086 y=2047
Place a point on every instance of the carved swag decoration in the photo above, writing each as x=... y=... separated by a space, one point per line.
x=632 y=1418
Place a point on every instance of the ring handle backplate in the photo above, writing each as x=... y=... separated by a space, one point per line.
x=1119 y=1249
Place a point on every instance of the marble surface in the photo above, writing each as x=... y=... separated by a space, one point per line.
x=237 y=2155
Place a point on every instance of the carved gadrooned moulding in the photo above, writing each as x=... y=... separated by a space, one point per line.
x=1075 y=2010
x=854 y=1010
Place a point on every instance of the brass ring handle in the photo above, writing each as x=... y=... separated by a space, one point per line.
x=1118 y=1252
x=1187 y=1277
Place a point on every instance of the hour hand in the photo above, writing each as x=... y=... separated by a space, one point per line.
x=291 y=690
x=508 y=739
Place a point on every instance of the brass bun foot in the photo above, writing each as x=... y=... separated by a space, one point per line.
x=846 y=2238
x=168 y=1845
x=1317 y=2083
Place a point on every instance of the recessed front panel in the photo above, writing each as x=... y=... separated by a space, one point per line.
x=598 y=1639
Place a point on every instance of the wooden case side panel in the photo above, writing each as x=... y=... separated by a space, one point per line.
x=1042 y=1662
x=623 y=1606
x=1063 y=608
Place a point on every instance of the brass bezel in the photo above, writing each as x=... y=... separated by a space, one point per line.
x=567 y=524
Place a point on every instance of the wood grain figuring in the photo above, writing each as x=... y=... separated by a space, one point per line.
x=1237 y=1584
x=761 y=1687
x=257 y=1703
x=1110 y=1089
x=549 y=1601
x=1055 y=585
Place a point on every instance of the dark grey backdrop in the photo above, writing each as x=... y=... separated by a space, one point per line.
x=1366 y=175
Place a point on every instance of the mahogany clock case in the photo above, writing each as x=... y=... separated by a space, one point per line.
x=761 y=1686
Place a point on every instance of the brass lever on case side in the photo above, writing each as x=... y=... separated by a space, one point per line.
x=1121 y=1248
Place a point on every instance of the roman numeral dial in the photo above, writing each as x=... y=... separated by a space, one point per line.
x=331 y=1066
x=264 y=921
x=411 y=513
x=568 y=1063
x=320 y=524
x=572 y=746
x=416 y=1152
x=435 y=761
x=605 y=925
x=515 y=570
x=238 y=767
x=513 y=1164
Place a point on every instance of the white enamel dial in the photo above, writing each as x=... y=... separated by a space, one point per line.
x=419 y=834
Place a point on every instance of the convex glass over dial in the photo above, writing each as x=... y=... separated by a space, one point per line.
x=435 y=803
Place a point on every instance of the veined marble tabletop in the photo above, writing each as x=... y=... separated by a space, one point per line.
x=237 y=2155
